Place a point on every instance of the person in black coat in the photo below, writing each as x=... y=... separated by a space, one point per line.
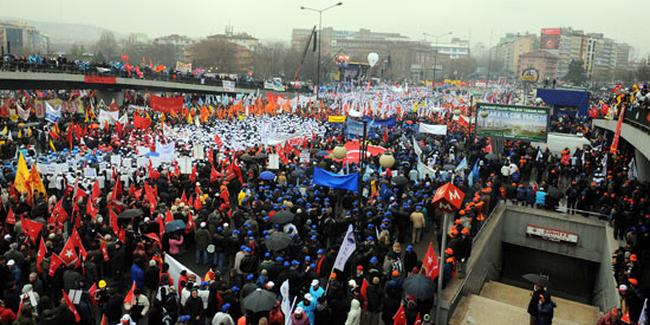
x=533 y=310
x=374 y=294
x=151 y=277
x=410 y=259
x=194 y=308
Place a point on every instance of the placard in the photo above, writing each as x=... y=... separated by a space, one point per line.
x=198 y=152
x=305 y=157
x=274 y=161
x=90 y=172
x=116 y=160
x=185 y=164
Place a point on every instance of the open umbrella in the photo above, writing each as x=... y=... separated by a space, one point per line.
x=130 y=213
x=246 y=158
x=491 y=156
x=419 y=286
x=537 y=278
x=175 y=225
x=267 y=175
x=259 y=301
x=261 y=155
x=400 y=180
x=282 y=217
x=278 y=241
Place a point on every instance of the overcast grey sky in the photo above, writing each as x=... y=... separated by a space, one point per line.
x=624 y=20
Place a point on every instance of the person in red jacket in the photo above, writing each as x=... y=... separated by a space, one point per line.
x=7 y=316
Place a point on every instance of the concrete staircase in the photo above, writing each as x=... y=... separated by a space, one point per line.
x=503 y=304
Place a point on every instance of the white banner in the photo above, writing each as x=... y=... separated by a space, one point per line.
x=433 y=129
x=52 y=114
x=348 y=246
x=286 y=301
x=175 y=268
x=228 y=85
x=416 y=148
x=108 y=116
x=183 y=67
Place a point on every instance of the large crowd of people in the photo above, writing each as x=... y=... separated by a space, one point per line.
x=82 y=246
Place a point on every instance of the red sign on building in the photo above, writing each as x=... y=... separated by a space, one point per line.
x=448 y=198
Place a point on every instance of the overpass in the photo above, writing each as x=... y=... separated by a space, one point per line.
x=12 y=80
x=637 y=136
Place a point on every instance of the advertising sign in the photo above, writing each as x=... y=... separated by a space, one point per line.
x=550 y=39
x=530 y=75
x=513 y=122
x=551 y=234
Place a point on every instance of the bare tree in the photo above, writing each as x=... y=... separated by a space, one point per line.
x=217 y=53
x=107 y=46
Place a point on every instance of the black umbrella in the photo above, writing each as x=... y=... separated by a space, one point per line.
x=246 y=158
x=130 y=213
x=259 y=301
x=282 y=217
x=419 y=286
x=278 y=241
x=537 y=278
x=400 y=180
x=261 y=156
x=175 y=225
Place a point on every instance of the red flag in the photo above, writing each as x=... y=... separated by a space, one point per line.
x=384 y=137
x=430 y=263
x=184 y=198
x=140 y=122
x=55 y=263
x=463 y=121
x=154 y=237
x=177 y=169
x=161 y=225
x=112 y=216
x=68 y=253
x=31 y=228
x=150 y=196
x=418 y=320
x=211 y=156
x=71 y=306
x=90 y=209
x=400 y=316
x=190 y=222
x=122 y=235
x=96 y=191
x=77 y=243
x=59 y=212
x=104 y=320
x=11 y=218
x=197 y=204
x=364 y=293
x=129 y=295
x=104 y=249
x=20 y=307
x=214 y=175
x=42 y=250
x=169 y=217
x=92 y=293
x=617 y=134
x=117 y=190
x=193 y=174
x=217 y=140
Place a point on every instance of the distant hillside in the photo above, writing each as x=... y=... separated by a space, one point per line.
x=65 y=33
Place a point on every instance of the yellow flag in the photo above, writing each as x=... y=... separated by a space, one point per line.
x=21 y=181
x=162 y=118
x=52 y=146
x=4 y=131
x=36 y=184
x=29 y=132
x=20 y=133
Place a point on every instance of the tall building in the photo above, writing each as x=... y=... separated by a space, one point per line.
x=511 y=47
x=455 y=49
x=22 y=39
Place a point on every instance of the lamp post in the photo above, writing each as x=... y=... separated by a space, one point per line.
x=320 y=36
x=435 y=55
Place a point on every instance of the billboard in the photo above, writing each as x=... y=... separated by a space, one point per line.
x=550 y=39
x=512 y=122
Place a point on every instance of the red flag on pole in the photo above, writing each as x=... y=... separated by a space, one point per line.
x=92 y=293
x=68 y=254
x=55 y=263
x=31 y=228
x=190 y=222
x=96 y=191
x=42 y=250
x=128 y=299
x=77 y=243
x=104 y=249
x=619 y=124
x=71 y=306
x=400 y=316
x=11 y=218
x=430 y=263
x=90 y=209
x=113 y=221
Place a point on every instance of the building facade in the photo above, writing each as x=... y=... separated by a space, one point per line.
x=510 y=48
x=21 y=39
x=545 y=62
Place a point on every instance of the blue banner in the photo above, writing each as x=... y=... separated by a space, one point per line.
x=354 y=128
x=378 y=123
x=348 y=182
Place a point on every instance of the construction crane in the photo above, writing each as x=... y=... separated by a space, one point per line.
x=312 y=36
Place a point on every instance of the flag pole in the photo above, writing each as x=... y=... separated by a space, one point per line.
x=441 y=269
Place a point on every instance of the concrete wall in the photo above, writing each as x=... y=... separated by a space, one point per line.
x=642 y=166
x=508 y=224
x=514 y=232
x=636 y=137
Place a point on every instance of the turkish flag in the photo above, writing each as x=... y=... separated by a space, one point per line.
x=77 y=243
x=117 y=190
x=197 y=204
x=190 y=222
x=68 y=254
x=211 y=157
x=71 y=306
x=214 y=175
x=184 y=198
x=129 y=295
x=430 y=263
x=193 y=174
x=364 y=293
x=55 y=263
x=40 y=255
x=59 y=212
x=104 y=319
x=140 y=122
x=122 y=235
x=161 y=225
x=463 y=121
x=104 y=249
x=31 y=228
x=217 y=140
x=11 y=218
x=90 y=209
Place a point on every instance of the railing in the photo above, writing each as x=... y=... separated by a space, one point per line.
x=147 y=74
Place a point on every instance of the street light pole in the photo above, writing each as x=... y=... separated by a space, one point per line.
x=320 y=42
x=435 y=55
